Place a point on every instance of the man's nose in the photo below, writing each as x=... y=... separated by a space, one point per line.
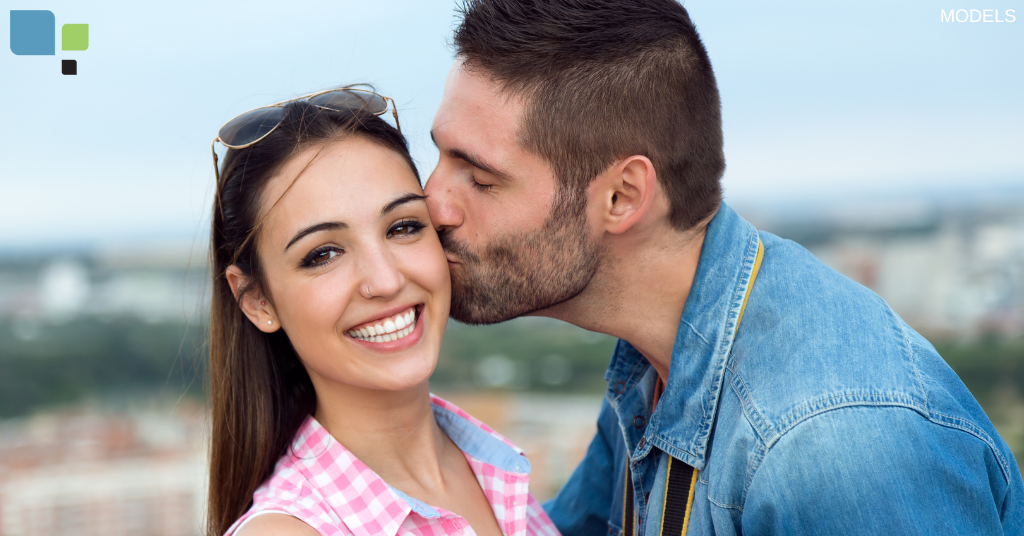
x=442 y=201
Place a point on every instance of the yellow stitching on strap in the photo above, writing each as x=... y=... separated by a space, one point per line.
x=689 y=502
x=753 y=275
x=664 y=503
x=625 y=500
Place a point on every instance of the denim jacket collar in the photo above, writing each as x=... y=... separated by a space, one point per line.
x=681 y=424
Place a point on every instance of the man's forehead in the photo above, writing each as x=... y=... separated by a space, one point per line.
x=472 y=100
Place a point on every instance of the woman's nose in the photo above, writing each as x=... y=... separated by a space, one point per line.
x=382 y=276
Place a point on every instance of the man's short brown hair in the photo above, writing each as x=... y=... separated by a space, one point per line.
x=604 y=80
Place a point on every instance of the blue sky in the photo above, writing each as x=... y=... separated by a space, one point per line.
x=821 y=100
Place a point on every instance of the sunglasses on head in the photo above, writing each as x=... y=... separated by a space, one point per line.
x=250 y=127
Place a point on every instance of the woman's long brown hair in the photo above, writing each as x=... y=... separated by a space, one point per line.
x=260 y=392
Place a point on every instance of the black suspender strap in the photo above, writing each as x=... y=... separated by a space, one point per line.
x=681 y=479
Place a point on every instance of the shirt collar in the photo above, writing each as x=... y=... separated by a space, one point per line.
x=350 y=487
x=681 y=423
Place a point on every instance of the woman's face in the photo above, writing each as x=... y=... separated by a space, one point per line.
x=348 y=223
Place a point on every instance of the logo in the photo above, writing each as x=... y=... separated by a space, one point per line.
x=978 y=15
x=34 y=33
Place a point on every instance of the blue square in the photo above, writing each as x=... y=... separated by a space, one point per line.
x=33 y=33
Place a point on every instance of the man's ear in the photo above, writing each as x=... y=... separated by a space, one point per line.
x=252 y=303
x=624 y=193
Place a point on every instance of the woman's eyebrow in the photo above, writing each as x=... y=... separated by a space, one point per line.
x=323 y=226
x=401 y=200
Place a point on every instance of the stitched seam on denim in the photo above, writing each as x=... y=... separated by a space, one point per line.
x=968 y=427
x=901 y=329
x=628 y=383
x=762 y=427
x=762 y=451
x=723 y=505
x=801 y=414
x=727 y=337
x=673 y=451
x=615 y=363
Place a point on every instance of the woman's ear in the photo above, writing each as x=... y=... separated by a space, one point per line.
x=625 y=193
x=252 y=302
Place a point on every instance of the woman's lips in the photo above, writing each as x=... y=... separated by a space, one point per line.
x=386 y=329
x=404 y=337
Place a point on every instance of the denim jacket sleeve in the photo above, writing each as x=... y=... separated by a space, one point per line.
x=583 y=506
x=882 y=470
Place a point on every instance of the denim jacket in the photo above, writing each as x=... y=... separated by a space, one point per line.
x=824 y=413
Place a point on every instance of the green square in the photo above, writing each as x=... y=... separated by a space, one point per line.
x=74 y=37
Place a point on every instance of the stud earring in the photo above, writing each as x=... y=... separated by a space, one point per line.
x=263 y=303
x=269 y=322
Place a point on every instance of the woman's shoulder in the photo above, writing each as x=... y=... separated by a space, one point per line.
x=275 y=524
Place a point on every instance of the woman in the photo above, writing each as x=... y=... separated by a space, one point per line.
x=331 y=295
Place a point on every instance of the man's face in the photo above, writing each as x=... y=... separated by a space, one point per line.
x=516 y=243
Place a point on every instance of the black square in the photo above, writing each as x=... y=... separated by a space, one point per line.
x=68 y=66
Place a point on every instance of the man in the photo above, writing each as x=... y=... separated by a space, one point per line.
x=753 y=389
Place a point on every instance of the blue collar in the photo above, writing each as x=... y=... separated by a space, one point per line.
x=475 y=441
x=681 y=424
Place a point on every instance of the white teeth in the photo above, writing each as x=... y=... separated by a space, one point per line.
x=390 y=330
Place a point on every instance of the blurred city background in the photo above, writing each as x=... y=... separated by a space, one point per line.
x=879 y=137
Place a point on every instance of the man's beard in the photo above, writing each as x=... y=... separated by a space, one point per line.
x=520 y=273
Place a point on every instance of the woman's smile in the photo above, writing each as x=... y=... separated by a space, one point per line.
x=390 y=332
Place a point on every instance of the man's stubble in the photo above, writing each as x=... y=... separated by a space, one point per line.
x=520 y=272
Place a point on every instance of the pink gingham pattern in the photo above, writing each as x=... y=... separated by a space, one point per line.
x=321 y=483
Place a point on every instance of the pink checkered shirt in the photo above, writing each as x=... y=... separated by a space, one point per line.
x=320 y=482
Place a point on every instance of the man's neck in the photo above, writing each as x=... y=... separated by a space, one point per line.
x=638 y=293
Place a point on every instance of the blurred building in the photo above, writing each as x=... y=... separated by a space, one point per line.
x=157 y=283
x=949 y=267
x=99 y=473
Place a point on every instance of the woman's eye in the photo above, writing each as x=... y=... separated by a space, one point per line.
x=405 y=228
x=321 y=256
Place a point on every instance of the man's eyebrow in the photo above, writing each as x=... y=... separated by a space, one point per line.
x=316 y=228
x=401 y=200
x=473 y=161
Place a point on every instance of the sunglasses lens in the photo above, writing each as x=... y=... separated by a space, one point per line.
x=343 y=100
x=251 y=126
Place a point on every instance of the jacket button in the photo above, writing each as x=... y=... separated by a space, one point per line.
x=639 y=421
x=640 y=445
x=619 y=387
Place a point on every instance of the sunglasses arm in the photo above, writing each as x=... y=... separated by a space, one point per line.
x=394 y=113
x=216 y=167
